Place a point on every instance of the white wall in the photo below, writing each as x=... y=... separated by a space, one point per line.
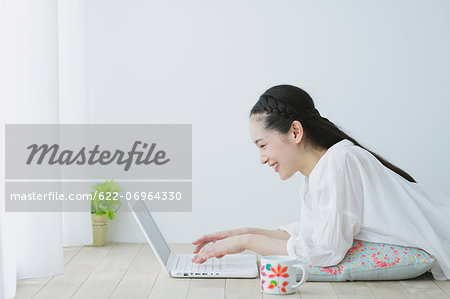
x=378 y=69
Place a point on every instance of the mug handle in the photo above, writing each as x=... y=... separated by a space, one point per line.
x=304 y=275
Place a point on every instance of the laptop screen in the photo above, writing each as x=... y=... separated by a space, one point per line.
x=150 y=230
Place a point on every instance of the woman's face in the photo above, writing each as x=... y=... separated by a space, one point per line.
x=279 y=151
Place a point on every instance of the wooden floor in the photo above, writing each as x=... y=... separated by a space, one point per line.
x=131 y=271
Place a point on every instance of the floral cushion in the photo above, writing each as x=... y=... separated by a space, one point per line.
x=375 y=261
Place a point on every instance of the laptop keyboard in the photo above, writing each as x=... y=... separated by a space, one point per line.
x=185 y=264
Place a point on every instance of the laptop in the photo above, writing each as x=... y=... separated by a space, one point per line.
x=230 y=266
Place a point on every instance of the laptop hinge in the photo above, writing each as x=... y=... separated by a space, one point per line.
x=172 y=262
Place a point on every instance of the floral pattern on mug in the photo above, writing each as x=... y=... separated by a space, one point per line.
x=278 y=272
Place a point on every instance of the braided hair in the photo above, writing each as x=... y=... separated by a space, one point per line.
x=281 y=105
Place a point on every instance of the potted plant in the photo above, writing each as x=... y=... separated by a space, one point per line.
x=105 y=202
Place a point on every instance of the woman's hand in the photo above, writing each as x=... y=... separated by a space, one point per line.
x=230 y=245
x=201 y=242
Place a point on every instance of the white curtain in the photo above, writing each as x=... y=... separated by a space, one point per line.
x=44 y=80
x=73 y=96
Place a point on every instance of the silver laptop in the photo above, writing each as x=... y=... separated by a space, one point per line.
x=235 y=265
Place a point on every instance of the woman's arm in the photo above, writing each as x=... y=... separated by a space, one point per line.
x=261 y=244
x=265 y=245
x=201 y=242
x=277 y=234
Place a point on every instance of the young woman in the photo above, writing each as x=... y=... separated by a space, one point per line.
x=349 y=192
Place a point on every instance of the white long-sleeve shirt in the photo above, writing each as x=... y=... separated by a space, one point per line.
x=350 y=195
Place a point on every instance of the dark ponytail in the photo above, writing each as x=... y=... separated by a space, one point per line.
x=283 y=104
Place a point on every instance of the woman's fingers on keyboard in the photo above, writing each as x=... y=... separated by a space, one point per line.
x=213 y=253
x=211 y=238
x=205 y=238
x=204 y=254
x=195 y=259
x=199 y=240
x=199 y=259
x=200 y=246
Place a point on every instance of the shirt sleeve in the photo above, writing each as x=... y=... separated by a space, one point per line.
x=337 y=211
x=291 y=229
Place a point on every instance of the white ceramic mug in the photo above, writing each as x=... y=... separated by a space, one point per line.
x=278 y=274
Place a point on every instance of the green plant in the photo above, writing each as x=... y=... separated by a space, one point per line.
x=105 y=199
